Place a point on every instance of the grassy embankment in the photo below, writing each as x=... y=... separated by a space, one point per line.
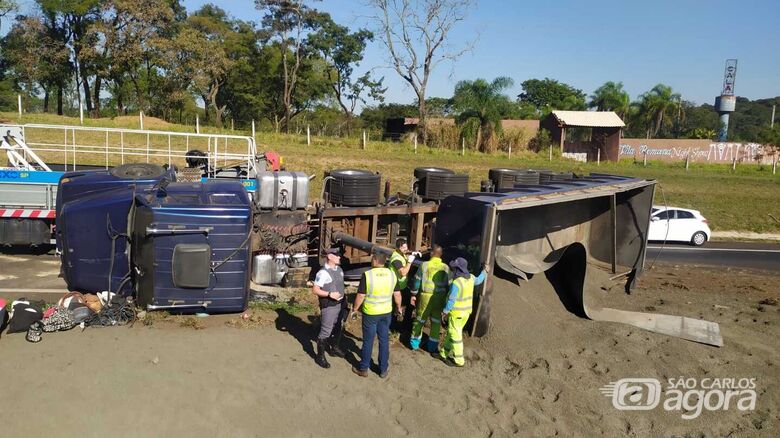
x=732 y=200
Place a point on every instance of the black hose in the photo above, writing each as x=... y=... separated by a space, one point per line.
x=114 y=235
x=232 y=254
x=663 y=244
x=117 y=311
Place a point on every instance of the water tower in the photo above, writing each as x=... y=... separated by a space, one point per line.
x=726 y=103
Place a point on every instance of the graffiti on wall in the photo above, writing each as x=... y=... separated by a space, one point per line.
x=717 y=152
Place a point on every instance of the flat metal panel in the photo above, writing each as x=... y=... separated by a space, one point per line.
x=24 y=195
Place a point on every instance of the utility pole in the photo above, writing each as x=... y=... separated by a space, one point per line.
x=772 y=123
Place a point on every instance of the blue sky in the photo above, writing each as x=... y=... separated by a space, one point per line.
x=682 y=43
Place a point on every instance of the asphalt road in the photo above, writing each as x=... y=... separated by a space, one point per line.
x=765 y=256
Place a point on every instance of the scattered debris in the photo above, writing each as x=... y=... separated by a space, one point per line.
x=263 y=297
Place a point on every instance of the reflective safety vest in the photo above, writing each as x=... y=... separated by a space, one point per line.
x=380 y=284
x=435 y=276
x=464 y=300
x=397 y=256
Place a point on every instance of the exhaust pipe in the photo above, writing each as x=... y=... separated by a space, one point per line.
x=366 y=246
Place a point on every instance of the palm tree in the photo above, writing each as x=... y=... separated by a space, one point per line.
x=611 y=97
x=480 y=103
x=658 y=106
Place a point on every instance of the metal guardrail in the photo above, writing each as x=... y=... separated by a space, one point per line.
x=33 y=141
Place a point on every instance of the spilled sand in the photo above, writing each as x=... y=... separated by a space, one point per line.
x=537 y=373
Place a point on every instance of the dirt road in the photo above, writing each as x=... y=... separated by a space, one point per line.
x=537 y=373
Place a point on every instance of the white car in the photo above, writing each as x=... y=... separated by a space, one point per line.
x=675 y=224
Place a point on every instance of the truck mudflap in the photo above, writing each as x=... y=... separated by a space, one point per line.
x=574 y=232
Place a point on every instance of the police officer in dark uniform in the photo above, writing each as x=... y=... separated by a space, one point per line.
x=329 y=288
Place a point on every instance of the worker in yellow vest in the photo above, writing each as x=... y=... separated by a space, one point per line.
x=457 y=310
x=429 y=293
x=401 y=262
x=377 y=290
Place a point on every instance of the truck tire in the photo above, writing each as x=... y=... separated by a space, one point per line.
x=506 y=179
x=503 y=178
x=529 y=177
x=548 y=176
x=354 y=187
x=438 y=186
x=196 y=159
x=422 y=172
x=138 y=171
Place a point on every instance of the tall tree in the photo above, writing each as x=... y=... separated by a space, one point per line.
x=74 y=18
x=659 y=106
x=343 y=51
x=126 y=31
x=416 y=34
x=286 y=24
x=36 y=59
x=211 y=64
x=548 y=94
x=196 y=57
x=611 y=97
x=482 y=102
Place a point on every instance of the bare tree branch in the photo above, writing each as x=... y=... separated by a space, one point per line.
x=409 y=28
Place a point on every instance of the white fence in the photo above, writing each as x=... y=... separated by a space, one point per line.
x=74 y=146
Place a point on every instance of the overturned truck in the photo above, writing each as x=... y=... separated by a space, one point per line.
x=195 y=246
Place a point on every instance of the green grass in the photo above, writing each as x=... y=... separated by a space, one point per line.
x=732 y=200
x=292 y=307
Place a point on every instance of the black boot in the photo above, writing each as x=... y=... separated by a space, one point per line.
x=321 y=360
x=335 y=349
